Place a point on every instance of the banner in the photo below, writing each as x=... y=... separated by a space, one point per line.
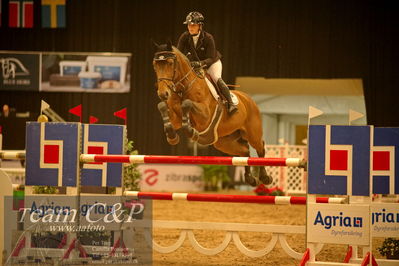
x=65 y=72
x=19 y=71
x=163 y=177
x=93 y=72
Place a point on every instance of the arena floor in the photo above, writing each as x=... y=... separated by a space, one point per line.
x=238 y=213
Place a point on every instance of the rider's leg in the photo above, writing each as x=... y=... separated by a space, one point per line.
x=215 y=71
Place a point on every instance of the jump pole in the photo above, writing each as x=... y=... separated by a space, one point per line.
x=12 y=155
x=214 y=160
x=162 y=159
x=277 y=200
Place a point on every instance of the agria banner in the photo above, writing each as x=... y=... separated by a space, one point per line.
x=353 y=160
x=342 y=224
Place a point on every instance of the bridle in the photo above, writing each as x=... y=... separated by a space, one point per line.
x=165 y=55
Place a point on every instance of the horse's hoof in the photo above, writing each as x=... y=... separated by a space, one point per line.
x=250 y=180
x=173 y=141
x=266 y=179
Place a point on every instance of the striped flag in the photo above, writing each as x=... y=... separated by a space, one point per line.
x=53 y=13
x=20 y=14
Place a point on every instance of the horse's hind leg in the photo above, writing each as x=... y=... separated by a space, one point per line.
x=263 y=176
x=234 y=145
x=254 y=134
x=259 y=146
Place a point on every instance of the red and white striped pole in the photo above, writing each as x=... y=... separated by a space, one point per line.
x=278 y=200
x=147 y=159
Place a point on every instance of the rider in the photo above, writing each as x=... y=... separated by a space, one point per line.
x=199 y=46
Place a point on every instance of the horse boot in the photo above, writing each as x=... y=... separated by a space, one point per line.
x=231 y=108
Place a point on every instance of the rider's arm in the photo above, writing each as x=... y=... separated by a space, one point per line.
x=210 y=51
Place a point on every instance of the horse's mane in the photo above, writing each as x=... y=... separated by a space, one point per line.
x=177 y=51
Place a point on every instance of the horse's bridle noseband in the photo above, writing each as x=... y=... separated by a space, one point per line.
x=163 y=56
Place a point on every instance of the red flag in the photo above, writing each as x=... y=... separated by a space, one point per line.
x=93 y=119
x=121 y=114
x=77 y=110
x=20 y=14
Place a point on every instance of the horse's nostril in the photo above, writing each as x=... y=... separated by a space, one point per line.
x=164 y=96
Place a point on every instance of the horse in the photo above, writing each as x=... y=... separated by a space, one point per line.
x=187 y=104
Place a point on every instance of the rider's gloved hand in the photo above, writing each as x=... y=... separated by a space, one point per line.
x=196 y=64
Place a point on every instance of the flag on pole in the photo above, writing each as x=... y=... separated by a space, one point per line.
x=44 y=106
x=77 y=110
x=353 y=115
x=20 y=14
x=93 y=120
x=53 y=14
x=314 y=112
x=121 y=114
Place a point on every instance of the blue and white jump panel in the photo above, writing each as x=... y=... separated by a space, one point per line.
x=53 y=150
x=342 y=159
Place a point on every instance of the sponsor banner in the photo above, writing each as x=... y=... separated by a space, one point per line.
x=65 y=72
x=385 y=219
x=90 y=72
x=19 y=71
x=163 y=177
x=338 y=224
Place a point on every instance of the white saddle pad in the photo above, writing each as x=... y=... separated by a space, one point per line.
x=215 y=95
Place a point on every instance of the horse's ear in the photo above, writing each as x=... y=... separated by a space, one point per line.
x=169 y=45
x=154 y=43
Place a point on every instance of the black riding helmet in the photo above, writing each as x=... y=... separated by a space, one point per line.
x=194 y=17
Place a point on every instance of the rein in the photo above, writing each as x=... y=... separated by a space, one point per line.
x=163 y=56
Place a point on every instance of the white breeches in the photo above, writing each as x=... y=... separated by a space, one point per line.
x=215 y=71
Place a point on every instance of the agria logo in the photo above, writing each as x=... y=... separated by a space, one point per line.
x=340 y=220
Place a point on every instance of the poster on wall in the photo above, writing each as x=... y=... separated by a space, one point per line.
x=19 y=71
x=90 y=72
x=65 y=72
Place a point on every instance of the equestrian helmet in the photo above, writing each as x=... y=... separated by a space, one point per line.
x=194 y=17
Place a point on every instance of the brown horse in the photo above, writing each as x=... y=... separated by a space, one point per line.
x=187 y=103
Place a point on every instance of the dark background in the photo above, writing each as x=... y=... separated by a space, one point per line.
x=269 y=38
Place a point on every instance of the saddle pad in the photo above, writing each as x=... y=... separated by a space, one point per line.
x=215 y=95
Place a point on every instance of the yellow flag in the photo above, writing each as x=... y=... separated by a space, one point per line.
x=353 y=115
x=314 y=112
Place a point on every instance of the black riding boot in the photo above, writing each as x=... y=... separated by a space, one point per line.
x=231 y=108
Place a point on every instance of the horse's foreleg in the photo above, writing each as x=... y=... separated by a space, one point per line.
x=171 y=135
x=186 y=106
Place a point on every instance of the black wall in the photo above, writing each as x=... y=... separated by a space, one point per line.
x=274 y=39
